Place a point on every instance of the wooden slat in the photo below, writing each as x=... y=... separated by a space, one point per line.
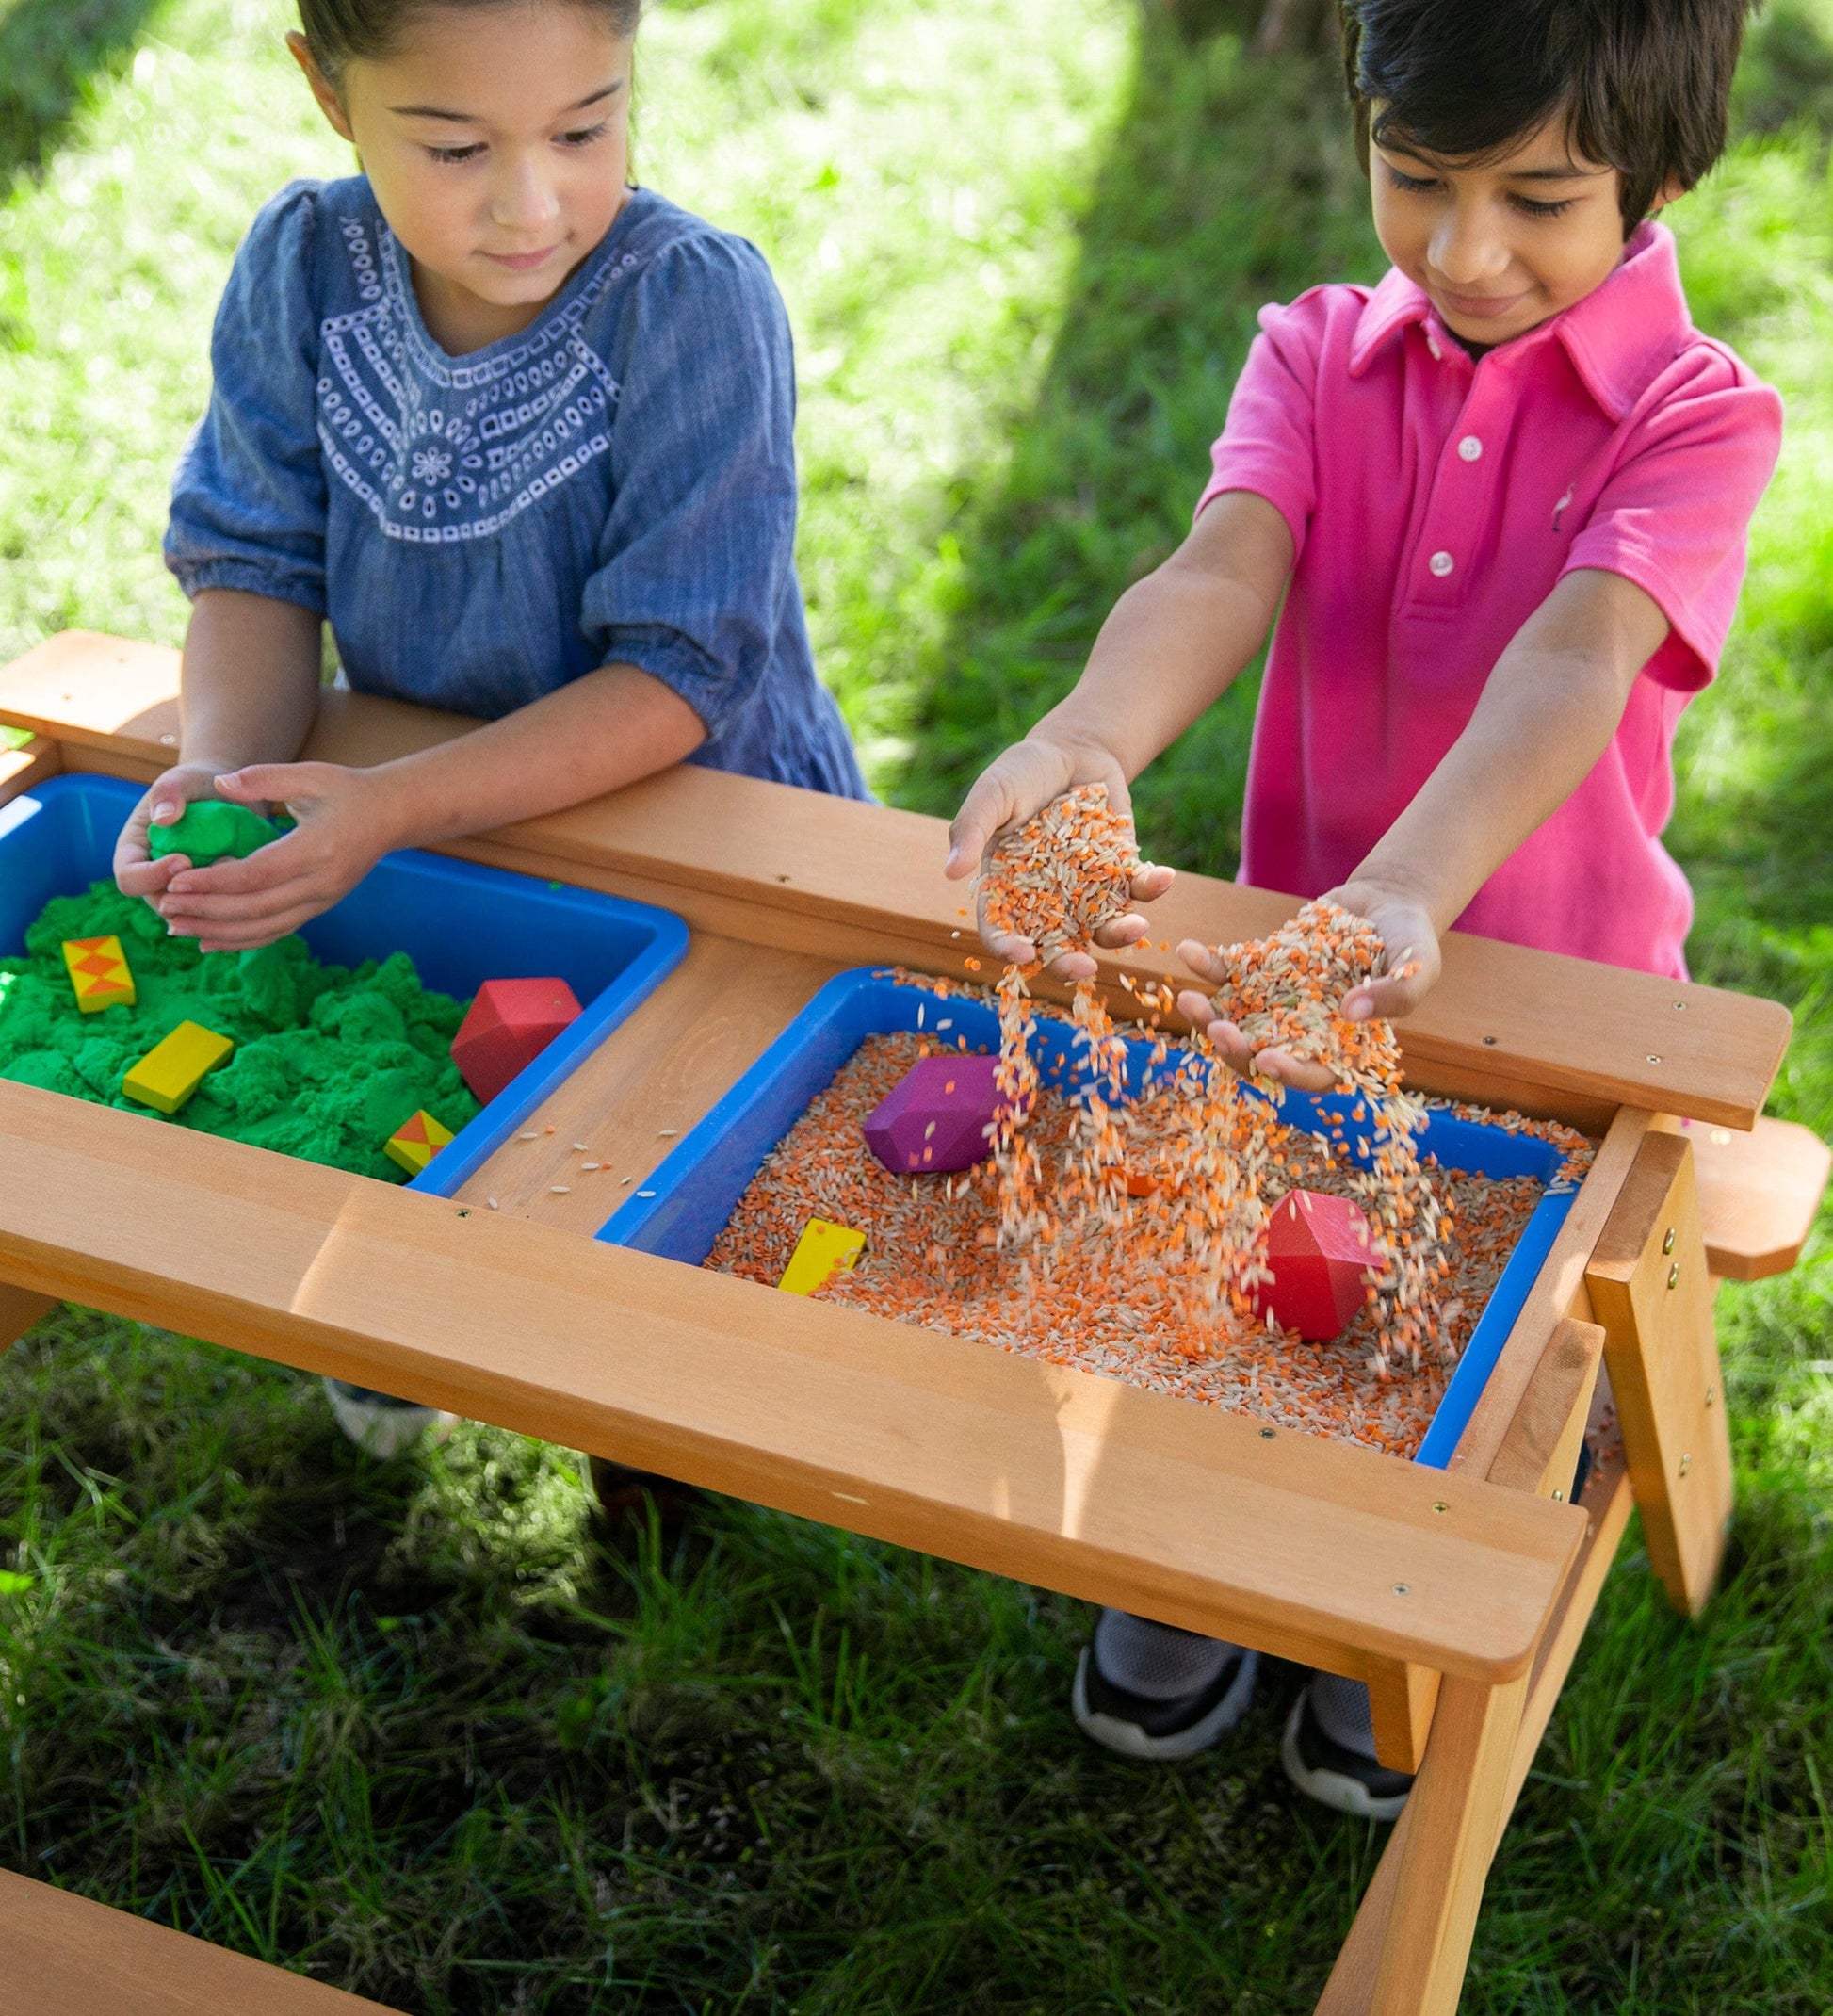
x=1534 y=1021
x=1455 y=1813
x=640 y=1092
x=1653 y=1290
x=19 y=1310
x=1760 y=1193
x=23 y=768
x=1400 y=1702
x=1081 y=1484
x=61 y=1955
x=1540 y=1451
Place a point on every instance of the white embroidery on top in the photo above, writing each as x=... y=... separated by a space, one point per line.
x=443 y=451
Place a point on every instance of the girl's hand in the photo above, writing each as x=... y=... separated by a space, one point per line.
x=344 y=829
x=1012 y=789
x=1408 y=969
x=135 y=871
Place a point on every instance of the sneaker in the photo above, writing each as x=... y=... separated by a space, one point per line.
x=1152 y=1691
x=1329 y=1751
x=377 y=1422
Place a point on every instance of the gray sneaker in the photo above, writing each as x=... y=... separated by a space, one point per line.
x=1152 y=1691
x=1329 y=1751
x=379 y=1424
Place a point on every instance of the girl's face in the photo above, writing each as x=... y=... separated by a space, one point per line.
x=497 y=144
x=1500 y=247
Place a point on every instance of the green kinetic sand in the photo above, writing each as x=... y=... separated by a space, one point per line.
x=212 y=829
x=328 y=1060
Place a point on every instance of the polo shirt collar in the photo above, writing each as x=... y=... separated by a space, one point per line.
x=1617 y=337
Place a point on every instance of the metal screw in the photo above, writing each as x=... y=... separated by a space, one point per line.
x=1674 y=1274
x=1686 y=1464
x=464 y=1215
x=1667 y=1242
x=1438 y=1505
x=1266 y=1434
x=169 y=742
x=1653 y=1058
x=1492 y=1041
x=1712 y=1395
x=1400 y=1589
x=1679 y=1004
x=1559 y=1498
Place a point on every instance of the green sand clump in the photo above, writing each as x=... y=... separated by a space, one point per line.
x=328 y=1060
x=212 y=829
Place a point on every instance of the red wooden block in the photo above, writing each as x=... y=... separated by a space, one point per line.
x=1319 y=1248
x=508 y=1025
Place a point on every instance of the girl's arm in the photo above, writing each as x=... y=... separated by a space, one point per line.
x=1546 y=713
x=1171 y=646
x=247 y=691
x=602 y=730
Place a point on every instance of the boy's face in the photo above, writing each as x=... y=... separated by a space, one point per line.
x=497 y=144
x=1500 y=247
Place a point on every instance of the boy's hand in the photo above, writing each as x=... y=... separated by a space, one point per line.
x=137 y=873
x=1409 y=968
x=344 y=829
x=1009 y=791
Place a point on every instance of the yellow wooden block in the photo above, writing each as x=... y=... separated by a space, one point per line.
x=821 y=1249
x=416 y=1142
x=98 y=971
x=171 y=1071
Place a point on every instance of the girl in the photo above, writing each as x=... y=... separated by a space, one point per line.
x=521 y=432
x=1503 y=495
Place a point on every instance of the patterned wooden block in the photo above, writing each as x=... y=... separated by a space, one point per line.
x=98 y=971
x=171 y=1071
x=416 y=1142
x=822 y=1249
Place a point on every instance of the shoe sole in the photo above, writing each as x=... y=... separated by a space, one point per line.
x=1127 y=1739
x=1335 y=1789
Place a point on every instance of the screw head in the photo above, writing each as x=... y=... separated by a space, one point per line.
x=1712 y=1395
x=1492 y=1041
x=1681 y=1004
x=1686 y=1464
x=1667 y=1240
x=1400 y=1588
x=1654 y=1057
x=1438 y=1505
x=1559 y=1498
x=1267 y=1433
x=1674 y=1274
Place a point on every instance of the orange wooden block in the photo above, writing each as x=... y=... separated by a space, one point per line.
x=99 y=972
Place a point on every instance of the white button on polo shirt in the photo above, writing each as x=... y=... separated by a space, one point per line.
x=1441 y=565
x=1469 y=448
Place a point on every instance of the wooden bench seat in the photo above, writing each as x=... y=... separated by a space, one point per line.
x=1759 y=1194
x=65 y=1956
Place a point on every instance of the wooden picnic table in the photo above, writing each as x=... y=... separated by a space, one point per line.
x=1459 y=1595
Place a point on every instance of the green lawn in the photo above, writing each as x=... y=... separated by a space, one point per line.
x=424 y=1729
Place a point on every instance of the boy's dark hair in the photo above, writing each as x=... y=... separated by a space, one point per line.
x=1643 y=86
x=337 y=31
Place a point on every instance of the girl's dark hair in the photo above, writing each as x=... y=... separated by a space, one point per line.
x=337 y=31
x=1642 y=86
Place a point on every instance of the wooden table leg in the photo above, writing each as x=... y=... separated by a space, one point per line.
x=1650 y=1289
x=20 y=1308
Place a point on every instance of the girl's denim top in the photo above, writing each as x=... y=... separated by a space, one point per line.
x=615 y=484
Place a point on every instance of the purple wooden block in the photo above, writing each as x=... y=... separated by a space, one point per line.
x=936 y=1119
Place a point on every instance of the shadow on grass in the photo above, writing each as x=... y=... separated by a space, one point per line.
x=1230 y=182
x=50 y=51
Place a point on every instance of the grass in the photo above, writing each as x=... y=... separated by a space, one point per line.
x=426 y=1730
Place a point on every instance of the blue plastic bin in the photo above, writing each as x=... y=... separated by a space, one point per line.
x=460 y=924
x=683 y=1206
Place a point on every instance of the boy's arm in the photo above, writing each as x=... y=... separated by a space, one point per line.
x=249 y=689
x=1546 y=713
x=602 y=730
x=1171 y=645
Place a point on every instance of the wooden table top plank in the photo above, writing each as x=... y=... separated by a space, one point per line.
x=1031 y=1470
x=67 y=1956
x=773 y=854
x=653 y=1078
x=1760 y=1193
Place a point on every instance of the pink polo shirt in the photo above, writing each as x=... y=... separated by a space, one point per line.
x=1434 y=504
